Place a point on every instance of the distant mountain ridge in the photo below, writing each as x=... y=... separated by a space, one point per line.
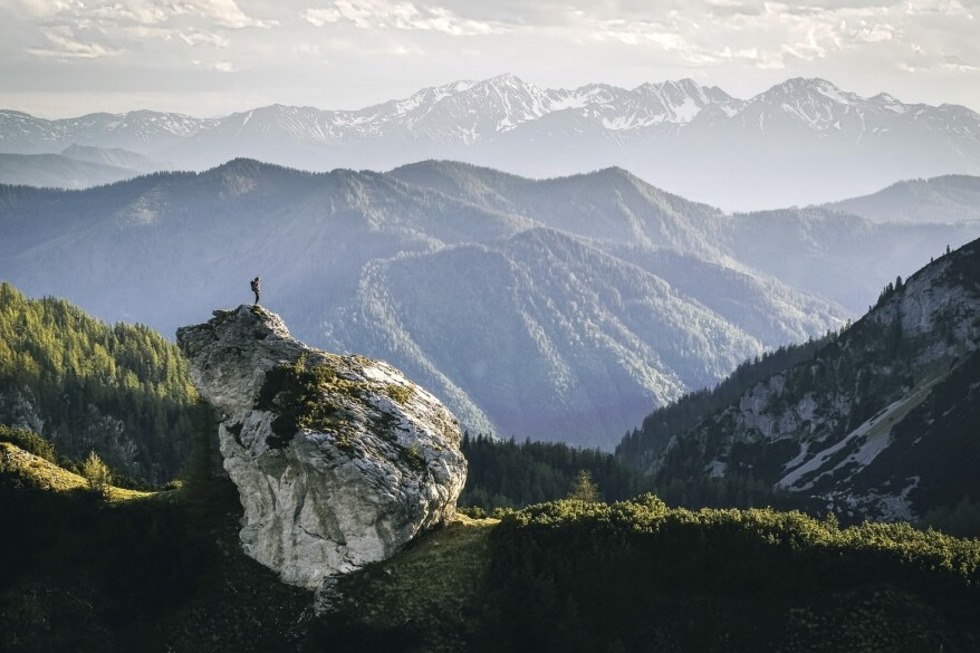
x=59 y=171
x=111 y=156
x=561 y=309
x=949 y=198
x=810 y=141
x=76 y=167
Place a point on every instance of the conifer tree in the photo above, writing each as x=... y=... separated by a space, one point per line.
x=97 y=474
x=584 y=488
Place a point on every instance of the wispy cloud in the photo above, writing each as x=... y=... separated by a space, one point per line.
x=226 y=13
x=100 y=29
x=110 y=14
x=384 y=14
x=62 y=44
x=196 y=37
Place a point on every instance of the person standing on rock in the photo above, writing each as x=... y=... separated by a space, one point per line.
x=256 y=288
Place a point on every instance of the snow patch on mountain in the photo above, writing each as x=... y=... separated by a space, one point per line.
x=697 y=140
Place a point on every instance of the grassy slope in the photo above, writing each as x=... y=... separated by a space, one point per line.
x=45 y=475
x=429 y=596
x=134 y=573
x=567 y=576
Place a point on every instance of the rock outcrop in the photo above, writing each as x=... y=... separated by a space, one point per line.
x=18 y=409
x=339 y=460
x=878 y=422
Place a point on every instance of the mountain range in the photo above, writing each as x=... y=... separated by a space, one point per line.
x=561 y=310
x=878 y=421
x=800 y=142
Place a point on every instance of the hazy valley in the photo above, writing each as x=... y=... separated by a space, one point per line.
x=562 y=309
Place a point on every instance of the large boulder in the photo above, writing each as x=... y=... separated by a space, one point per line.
x=339 y=460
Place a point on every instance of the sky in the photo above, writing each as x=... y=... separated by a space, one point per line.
x=209 y=58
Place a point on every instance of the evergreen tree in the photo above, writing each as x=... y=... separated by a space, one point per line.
x=584 y=488
x=97 y=474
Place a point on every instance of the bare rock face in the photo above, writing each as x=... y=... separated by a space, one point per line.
x=339 y=460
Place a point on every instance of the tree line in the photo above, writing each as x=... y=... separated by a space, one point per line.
x=511 y=474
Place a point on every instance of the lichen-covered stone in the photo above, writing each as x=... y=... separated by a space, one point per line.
x=339 y=460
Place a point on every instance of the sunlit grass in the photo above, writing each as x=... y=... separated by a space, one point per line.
x=45 y=475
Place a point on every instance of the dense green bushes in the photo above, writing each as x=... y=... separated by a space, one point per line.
x=641 y=576
x=762 y=540
x=565 y=576
x=628 y=575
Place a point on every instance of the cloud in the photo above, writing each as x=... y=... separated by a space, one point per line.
x=320 y=17
x=119 y=13
x=955 y=65
x=227 y=13
x=152 y=30
x=385 y=14
x=946 y=8
x=353 y=47
x=767 y=35
x=62 y=44
x=638 y=32
x=725 y=8
x=194 y=37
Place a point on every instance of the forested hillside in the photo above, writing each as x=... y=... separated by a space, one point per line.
x=562 y=309
x=121 y=391
x=641 y=447
x=878 y=421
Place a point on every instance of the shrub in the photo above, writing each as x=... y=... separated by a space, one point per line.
x=97 y=474
x=29 y=441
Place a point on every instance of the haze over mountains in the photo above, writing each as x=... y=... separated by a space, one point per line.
x=77 y=166
x=562 y=309
x=802 y=141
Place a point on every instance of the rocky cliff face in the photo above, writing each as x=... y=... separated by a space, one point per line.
x=18 y=409
x=879 y=423
x=339 y=460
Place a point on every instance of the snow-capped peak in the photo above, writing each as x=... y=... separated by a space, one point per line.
x=807 y=87
x=811 y=102
x=889 y=103
x=506 y=79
